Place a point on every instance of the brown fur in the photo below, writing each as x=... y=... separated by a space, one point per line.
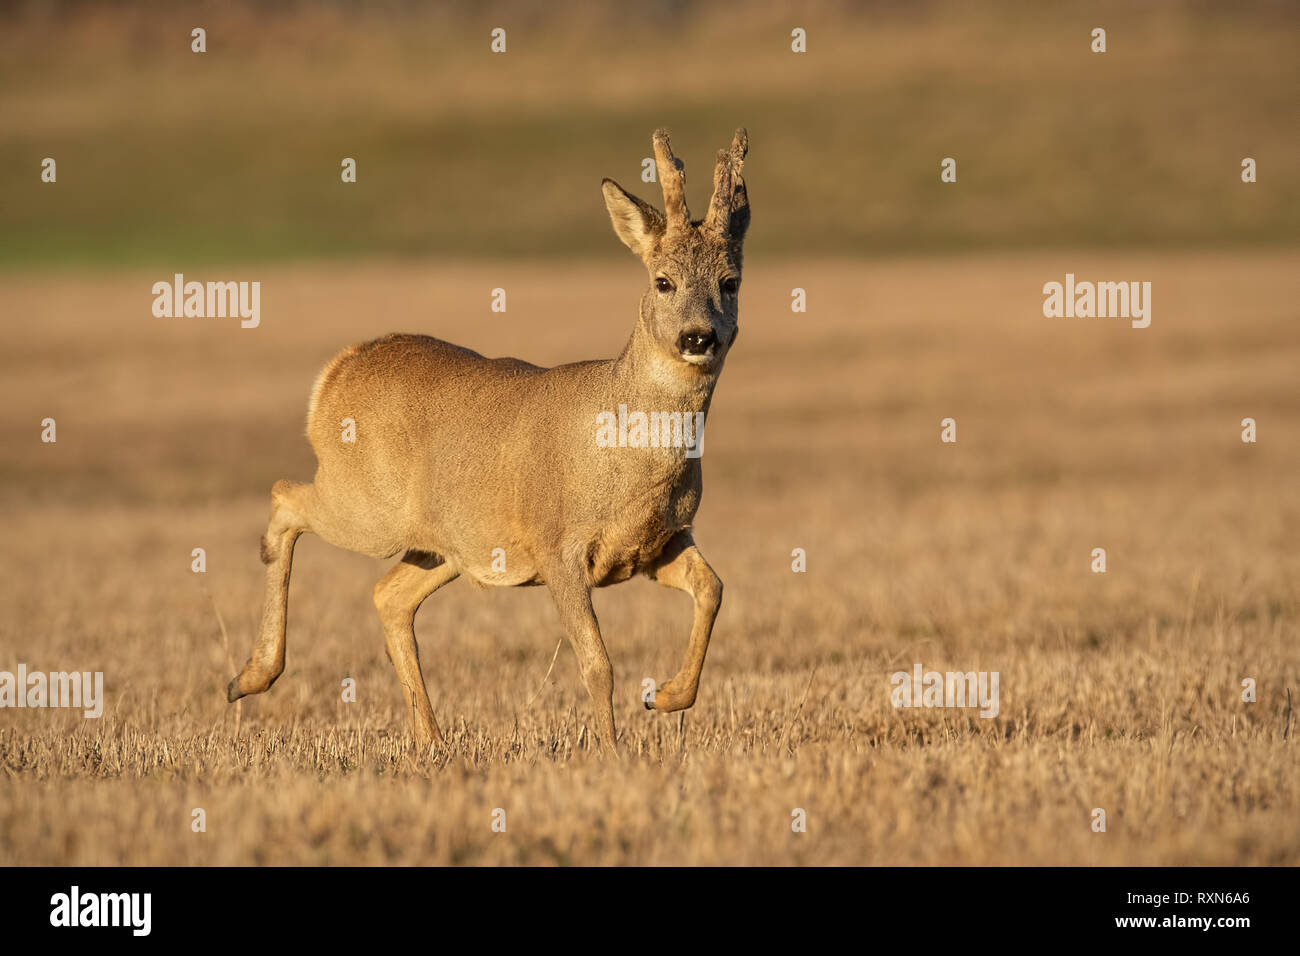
x=457 y=455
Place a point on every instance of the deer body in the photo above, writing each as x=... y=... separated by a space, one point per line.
x=460 y=461
x=494 y=449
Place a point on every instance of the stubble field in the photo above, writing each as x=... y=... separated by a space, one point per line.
x=1119 y=691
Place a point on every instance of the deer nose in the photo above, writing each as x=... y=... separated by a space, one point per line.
x=696 y=343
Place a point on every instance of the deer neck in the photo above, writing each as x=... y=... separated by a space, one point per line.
x=651 y=380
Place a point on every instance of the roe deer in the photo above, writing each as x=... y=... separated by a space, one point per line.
x=456 y=455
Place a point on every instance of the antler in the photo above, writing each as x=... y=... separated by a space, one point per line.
x=729 y=207
x=672 y=177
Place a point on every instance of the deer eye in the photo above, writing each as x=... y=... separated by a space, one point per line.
x=730 y=285
x=663 y=285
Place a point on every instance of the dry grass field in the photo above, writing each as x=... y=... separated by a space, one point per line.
x=1119 y=690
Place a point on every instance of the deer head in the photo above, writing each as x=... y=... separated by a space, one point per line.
x=689 y=314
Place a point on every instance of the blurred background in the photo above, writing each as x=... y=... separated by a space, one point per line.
x=166 y=155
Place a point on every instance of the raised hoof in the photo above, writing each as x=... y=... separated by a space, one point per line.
x=668 y=700
x=650 y=704
x=233 y=693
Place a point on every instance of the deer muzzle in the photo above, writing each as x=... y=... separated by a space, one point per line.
x=697 y=346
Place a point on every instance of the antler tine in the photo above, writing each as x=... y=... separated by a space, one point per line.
x=729 y=195
x=672 y=178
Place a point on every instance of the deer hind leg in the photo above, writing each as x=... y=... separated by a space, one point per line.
x=398 y=596
x=291 y=503
x=681 y=566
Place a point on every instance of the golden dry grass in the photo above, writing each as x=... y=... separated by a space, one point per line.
x=1119 y=691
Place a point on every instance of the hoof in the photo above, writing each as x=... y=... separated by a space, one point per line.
x=233 y=693
x=650 y=704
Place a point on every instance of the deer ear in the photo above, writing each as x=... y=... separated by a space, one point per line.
x=637 y=223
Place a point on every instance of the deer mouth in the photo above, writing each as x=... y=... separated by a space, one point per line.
x=697 y=347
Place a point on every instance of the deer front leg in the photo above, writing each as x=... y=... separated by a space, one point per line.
x=397 y=597
x=681 y=566
x=572 y=597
